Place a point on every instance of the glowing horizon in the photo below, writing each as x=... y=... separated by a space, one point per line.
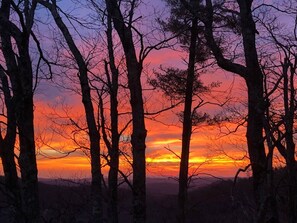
x=163 y=141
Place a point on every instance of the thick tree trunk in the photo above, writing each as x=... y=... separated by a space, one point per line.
x=137 y=139
x=256 y=107
x=256 y=147
x=138 y=146
x=25 y=123
x=187 y=127
x=254 y=80
x=139 y=132
x=27 y=160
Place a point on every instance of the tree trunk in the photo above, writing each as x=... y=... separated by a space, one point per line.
x=256 y=107
x=10 y=176
x=11 y=181
x=113 y=181
x=137 y=139
x=27 y=159
x=94 y=135
x=25 y=123
x=292 y=194
x=254 y=81
x=115 y=137
x=289 y=106
x=7 y=145
x=187 y=127
x=96 y=185
x=256 y=148
x=138 y=132
x=274 y=215
x=21 y=76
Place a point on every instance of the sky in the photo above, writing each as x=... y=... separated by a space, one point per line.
x=213 y=152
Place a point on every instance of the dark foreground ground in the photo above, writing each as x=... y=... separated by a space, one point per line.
x=210 y=201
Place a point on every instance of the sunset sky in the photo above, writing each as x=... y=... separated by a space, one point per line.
x=148 y=111
x=213 y=151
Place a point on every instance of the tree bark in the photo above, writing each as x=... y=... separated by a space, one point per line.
x=134 y=68
x=187 y=126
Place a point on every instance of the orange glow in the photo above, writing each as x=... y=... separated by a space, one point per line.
x=209 y=153
x=163 y=148
x=165 y=142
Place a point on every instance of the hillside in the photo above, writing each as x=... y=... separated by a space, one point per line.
x=209 y=201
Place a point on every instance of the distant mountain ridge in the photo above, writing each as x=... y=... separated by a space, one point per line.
x=68 y=201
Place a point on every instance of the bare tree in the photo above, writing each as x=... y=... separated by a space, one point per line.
x=241 y=16
x=134 y=69
x=280 y=72
x=7 y=145
x=113 y=147
x=187 y=123
x=93 y=128
x=19 y=70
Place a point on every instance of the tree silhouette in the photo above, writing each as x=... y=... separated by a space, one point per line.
x=93 y=128
x=280 y=94
x=242 y=18
x=134 y=69
x=7 y=145
x=15 y=49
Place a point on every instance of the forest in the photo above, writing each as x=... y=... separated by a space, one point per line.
x=176 y=110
